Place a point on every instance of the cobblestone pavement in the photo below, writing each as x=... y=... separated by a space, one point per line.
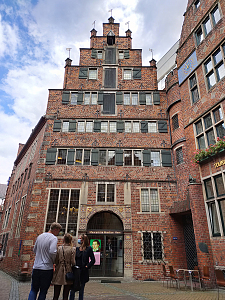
x=11 y=289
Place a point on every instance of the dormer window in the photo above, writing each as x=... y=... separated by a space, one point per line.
x=111 y=38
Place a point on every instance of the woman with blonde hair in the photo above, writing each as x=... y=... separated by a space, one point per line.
x=64 y=261
x=85 y=259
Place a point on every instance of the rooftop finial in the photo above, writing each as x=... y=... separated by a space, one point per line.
x=127 y=23
x=94 y=23
x=110 y=11
x=68 y=49
x=151 y=50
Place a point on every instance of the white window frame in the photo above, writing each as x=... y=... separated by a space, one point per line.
x=57 y=213
x=65 y=126
x=105 y=202
x=126 y=75
x=149 y=200
x=90 y=76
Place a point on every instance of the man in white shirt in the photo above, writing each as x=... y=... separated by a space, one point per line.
x=45 y=249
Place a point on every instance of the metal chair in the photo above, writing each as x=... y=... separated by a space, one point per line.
x=196 y=276
x=176 y=276
x=166 y=277
x=205 y=276
x=220 y=280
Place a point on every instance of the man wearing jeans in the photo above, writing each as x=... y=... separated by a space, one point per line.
x=45 y=249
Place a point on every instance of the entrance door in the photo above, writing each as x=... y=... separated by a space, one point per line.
x=110 y=251
x=105 y=231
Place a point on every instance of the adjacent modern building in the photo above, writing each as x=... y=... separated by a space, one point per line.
x=113 y=156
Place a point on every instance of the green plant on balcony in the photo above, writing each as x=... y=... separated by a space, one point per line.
x=201 y=155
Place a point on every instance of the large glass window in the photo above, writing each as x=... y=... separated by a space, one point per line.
x=149 y=200
x=63 y=208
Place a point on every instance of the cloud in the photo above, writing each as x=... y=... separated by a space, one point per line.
x=9 y=39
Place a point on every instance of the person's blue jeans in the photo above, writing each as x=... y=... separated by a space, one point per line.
x=41 y=280
x=81 y=293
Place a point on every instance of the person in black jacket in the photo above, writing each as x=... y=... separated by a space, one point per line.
x=83 y=253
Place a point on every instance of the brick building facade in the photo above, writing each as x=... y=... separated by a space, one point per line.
x=112 y=157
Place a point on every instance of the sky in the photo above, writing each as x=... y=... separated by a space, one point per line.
x=34 y=35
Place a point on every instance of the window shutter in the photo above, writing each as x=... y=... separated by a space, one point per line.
x=144 y=126
x=119 y=98
x=51 y=156
x=142 y=98
x=126 y=53
x=100 y=98
x=93 y=53
x=147 y=158
x=166 y=158
x=110 y=56
x=83 y=73
x=65 y=97
x=97 y=126
x=57 y=126
x=119 y=157
x=80 y=98
x=120 y=126
x=162 y=126
x=72 y=126
x=156 y=98
x=94 y=157
x=110 y=78
x=109 y=104
x=136 y=73
x=70 y=156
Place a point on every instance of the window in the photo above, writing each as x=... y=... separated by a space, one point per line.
x=209 y=128
x=136 y=127
x=134 y=98
x=152 y=246
x=214 y=197
x=121 y=54
x=211 y=20
x=126 y=98
x=106 y=192
x=65 y=126
x=194 y=88
x=155 y=159
x=199 y=36
x=179 y=155
x=74 y=98
x=149 y=200
x=89 y=126
x=112 y=126
x=102 y=158
x=216 y=15
x=127 y=126
x=214 y=67
x=62 y=154
x=109 y=104
x=175 y=122
x=92 y=74
x=197 y=4
x=99 y=54
x=94 y=98
x=80 y=126
x=149 y=99
x=87 y=157
x=207 y=26
x=63 y=208
x=152 y=127
x=19 y=222
x=87 y=98
x=127 y=74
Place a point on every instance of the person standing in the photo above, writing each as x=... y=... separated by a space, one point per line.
x=109 y=255
x=64 y=261
x=83 y=254
x=1 y=252
x=45 y=249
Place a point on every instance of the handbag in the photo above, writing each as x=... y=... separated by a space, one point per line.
x=76 y=283
x=69 y=275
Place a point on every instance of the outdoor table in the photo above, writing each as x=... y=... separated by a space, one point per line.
x=190 y=275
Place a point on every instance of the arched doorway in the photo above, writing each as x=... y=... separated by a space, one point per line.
x=105 y=231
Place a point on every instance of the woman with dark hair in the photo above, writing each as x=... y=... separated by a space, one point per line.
x=64 y=261
x=83 y=253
